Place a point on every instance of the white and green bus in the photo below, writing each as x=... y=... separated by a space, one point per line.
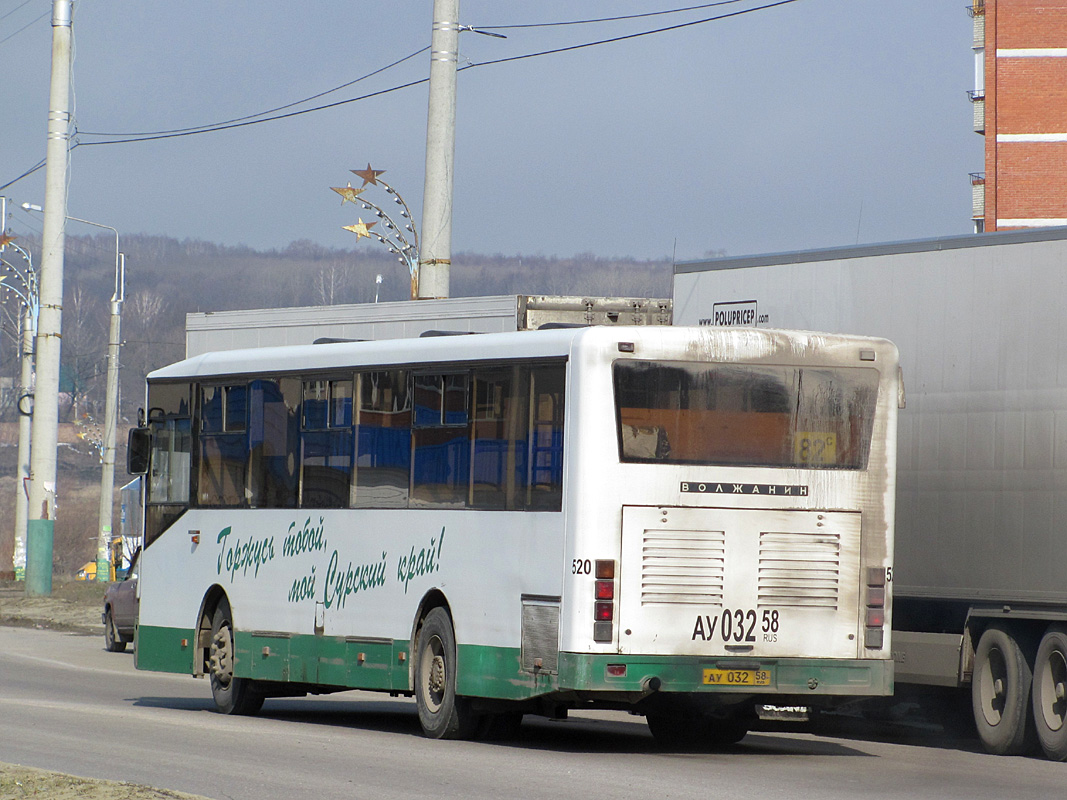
x=679 y=522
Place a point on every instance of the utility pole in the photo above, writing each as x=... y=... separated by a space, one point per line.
x=111 y=406
x=42 y=505
x=435 y=256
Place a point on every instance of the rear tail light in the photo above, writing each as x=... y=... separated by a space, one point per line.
x=874 y=632
x=604 y=601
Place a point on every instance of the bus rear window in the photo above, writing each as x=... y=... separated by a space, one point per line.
x=744 y=415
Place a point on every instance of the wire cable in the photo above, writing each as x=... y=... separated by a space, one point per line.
x=253 y=120
x=24 y=27
x=606 y=19
x=16 y=8
x=212 y=125
x=627 y=36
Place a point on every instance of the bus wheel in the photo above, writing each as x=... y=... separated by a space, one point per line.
x=232 y=695
x=112 y=641
x=691 y=732
x=1050 y=693
x=442 y=714
x=1000 y=693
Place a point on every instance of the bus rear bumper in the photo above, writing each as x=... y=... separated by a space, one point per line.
x=748 y=676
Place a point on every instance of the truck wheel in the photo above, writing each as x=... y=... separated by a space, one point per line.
x=1050 y=693
x=112 y=641
x=442 y=714
x=231 y=695
x=1000 y=693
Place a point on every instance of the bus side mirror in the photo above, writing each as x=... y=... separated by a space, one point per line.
x=138 y=448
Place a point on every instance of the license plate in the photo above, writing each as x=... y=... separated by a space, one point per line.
x=737 y=677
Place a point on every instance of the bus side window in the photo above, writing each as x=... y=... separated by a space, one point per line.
x=499 y=434
x=223 y=445
x=440 y=471
x=383 y=440
x=545 y=489
x=326 y=444
x=273 y=434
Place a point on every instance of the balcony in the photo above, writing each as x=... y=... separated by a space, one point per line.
x=978 y=101
x=978 y=195
x=977 y=12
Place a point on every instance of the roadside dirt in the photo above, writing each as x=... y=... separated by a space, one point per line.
x=73 y=606
x=19 y=783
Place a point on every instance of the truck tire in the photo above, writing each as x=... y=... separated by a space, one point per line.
x=1050 y=693
x=442 y=713
x=1000 y=693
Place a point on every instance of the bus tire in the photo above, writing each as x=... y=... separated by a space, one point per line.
x=232 y=695
x=112 y=641
x=692 y=732
x=1050 y=693
x=1000 y=693
x=442 y=714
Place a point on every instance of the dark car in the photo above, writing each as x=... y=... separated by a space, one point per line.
x=120 y=609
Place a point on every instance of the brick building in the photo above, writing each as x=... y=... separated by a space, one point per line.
x=1020 y=105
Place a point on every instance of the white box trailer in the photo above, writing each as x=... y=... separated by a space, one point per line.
x=980 y=576
x=234 y=330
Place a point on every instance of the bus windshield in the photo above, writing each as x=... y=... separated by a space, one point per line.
x=725 y=414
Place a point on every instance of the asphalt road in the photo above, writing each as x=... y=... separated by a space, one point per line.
x=67 y=705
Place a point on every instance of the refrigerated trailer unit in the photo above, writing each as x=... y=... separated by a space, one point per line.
x=268 y=327
x=980 y=573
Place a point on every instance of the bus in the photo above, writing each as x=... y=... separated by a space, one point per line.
x=680 y=522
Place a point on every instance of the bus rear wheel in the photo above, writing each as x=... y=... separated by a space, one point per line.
x=695 y=732
x=442 y=714
x=1050 y=693
x=1000 y=693
x=232 y=695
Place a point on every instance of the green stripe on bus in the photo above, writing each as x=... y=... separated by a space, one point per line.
x=686 y=674
x=496 y=672
x=164 y=649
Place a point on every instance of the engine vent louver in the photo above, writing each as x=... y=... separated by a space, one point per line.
x=799 y=570
x=682 y=567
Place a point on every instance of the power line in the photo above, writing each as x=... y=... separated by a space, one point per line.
x=256 y=119
x=212 y=125
x=24 y=27
x=628 y=36
x=16 y=8
x=606 y=19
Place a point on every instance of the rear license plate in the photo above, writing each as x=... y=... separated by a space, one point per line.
x=737 y=677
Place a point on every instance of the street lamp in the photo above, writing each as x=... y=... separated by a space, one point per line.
x=28 y=296
x=107 y=451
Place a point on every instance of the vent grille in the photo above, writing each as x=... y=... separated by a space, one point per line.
x=799 y=570
x=682 y=567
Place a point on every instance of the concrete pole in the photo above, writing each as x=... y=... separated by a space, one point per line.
x=435 y=257
x=40 y=531
x=22 y=502
x=111 y=405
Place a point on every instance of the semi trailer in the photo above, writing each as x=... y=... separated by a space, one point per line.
x=980 y=567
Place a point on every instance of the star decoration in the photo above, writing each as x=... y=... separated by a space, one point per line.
x=361 y=228
x=347 y=193
x=6 y=238
x=368 y=175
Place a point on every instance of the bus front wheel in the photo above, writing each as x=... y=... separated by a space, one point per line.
x=231 y=695
x=442 y=714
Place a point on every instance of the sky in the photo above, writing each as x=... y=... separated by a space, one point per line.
x=810 y=124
